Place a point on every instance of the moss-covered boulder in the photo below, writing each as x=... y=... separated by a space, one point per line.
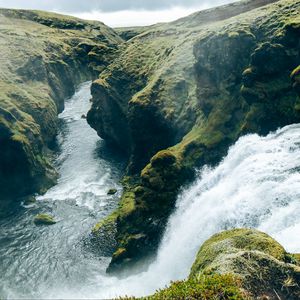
x=181 y=93
x=261 y=263
x=240 y=264
x=44 y=56
x=44 y=219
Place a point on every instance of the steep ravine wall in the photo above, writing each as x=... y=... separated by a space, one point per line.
x=44 y=56
x=182 y=93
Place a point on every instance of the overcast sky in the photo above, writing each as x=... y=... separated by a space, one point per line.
x=119 y=12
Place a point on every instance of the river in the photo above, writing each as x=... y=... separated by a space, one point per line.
x=256 y=185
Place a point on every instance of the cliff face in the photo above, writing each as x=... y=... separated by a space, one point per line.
x=181 y=93
x=43 y=57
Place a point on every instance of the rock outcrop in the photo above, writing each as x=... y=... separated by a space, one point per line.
x=43 y=57
x=239 y=264
x=181 y=93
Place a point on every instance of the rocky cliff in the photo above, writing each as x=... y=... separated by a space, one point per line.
x=43 y=57
x=180 y=94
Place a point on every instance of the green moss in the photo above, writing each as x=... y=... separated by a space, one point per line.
x=297 y=258
x=39 y=70
x=44 y=219
x=163 y=159
x=261 y=263
x=183 y=92
x=234 y=241
x=214 y=286
x=237 y=264
x=127 y=204
x=119 y=254
x=296 y=72
x=105 y=225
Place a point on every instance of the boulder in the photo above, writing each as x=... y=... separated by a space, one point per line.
x=44 y=219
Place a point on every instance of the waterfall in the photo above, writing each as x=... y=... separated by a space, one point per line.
x=256 y=185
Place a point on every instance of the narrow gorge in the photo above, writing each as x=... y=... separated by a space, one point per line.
x=165 y=158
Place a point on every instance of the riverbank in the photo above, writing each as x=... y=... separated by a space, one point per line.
x=44 y=56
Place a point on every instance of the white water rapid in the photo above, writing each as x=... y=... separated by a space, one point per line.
x=256 y=185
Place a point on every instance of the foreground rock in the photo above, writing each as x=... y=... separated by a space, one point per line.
x=44 y=219
x=239 y=264
x=181 y=94
x=44 y=56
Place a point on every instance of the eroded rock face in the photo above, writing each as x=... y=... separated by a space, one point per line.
x=192 y=87
x=43 y=57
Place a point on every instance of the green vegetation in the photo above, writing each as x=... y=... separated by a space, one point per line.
x=44 y=219
x=206 y=287
x=261 y=263
x=181 y=93
x=44 y=56
x=234 y=241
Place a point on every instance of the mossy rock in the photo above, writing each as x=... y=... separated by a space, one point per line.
x=240 y=264
x=258 y=260
x=163 y=159
x=295 y=76
x=233 y=241
x=112 y=191
x=44 y=219
x=295 y=73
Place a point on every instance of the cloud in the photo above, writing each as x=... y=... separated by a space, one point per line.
x=127 y=18
x=76 y=6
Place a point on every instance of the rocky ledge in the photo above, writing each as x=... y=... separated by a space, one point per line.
x=180 y=94
x=44 y=56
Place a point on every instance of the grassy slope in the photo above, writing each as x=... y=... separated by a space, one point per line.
x=43 y=57
x=192 y=86
x=127 y=33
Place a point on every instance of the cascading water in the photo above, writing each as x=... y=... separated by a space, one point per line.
x=256 y=185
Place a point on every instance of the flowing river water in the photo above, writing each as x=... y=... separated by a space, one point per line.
x=256 y=185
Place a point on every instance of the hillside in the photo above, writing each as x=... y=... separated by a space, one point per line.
x=180 y=94
x=44 y=56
